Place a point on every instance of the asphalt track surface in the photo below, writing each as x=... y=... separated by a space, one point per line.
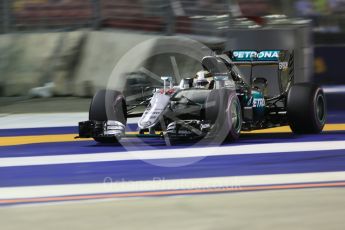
x=264 y=175
x=158 y=169
x=287 y=209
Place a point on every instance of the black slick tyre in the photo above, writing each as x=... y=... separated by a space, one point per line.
x=108 y=105
x=306 y=108
x=223 y=109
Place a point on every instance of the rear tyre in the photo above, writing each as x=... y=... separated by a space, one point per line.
x=108 y=105
x=306 y=108
x=223 y=109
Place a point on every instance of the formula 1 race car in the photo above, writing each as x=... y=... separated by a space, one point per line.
x=216 y=105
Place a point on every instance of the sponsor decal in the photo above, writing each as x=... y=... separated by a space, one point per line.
x=257 y=102
x=283 y=65
x=268 y=55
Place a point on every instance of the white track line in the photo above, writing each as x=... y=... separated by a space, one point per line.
x=160 y=184
x=44 y=120
x=22 y=121
x=173 y=153
x=334 y=89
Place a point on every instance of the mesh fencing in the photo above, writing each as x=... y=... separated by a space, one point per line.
x=208 y=17
x=2 y=16
x=40 y=14
x=164 y=16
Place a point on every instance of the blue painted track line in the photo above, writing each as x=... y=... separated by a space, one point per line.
x=85 y=147
x=334 y=117
x=255 y=164
x=37 y=131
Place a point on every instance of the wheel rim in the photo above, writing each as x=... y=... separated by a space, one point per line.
x=320 y=109
x=235 y=117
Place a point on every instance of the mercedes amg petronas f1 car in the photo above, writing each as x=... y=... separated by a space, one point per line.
x=216 y=104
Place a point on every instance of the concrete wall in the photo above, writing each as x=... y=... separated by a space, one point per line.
x=101 y=53
x=108 y=57
x=71 y=60
x=30 y=60
x=80 y=63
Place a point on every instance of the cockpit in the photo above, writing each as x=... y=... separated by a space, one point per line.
x=217 y=65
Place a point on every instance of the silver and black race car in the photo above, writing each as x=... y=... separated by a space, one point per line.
x=215 y=105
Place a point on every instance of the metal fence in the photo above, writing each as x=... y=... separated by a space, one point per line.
x=166 y=16
x=153 y=15
x=4 y=23
x=45 y=14
x=209 y=17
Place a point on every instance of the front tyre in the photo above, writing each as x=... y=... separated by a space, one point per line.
x=306 y=108
x=223 y=109
x=108 y=105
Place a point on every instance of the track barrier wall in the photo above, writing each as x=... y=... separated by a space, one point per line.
x=80 y=62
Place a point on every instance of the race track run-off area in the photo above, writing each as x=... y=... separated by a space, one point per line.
x=41 y=161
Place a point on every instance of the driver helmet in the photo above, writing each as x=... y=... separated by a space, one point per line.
x=201 y=80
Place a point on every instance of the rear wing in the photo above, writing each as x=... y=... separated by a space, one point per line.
x=283 y=59
x=266 y=57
